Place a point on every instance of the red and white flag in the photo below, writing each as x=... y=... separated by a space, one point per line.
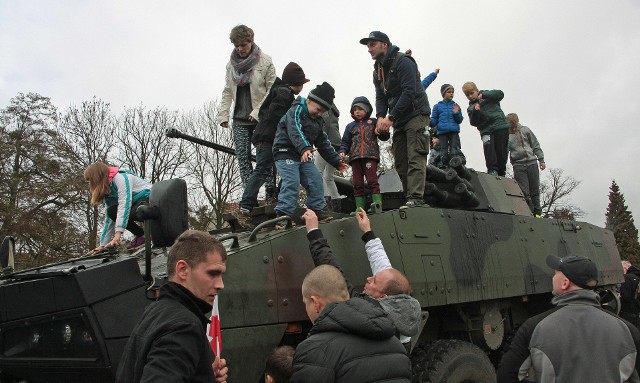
x=213 y=330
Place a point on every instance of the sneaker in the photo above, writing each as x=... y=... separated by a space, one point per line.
x=139 y=241
x=413 y=202
x=493 y=173
x=323 y=216
x=243 y=217
x=281 y=225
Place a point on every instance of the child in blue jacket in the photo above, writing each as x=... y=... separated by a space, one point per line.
x=446 y=118
x=360 y=142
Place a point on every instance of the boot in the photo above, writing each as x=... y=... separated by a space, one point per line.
x=376 y=199
x=360 y=203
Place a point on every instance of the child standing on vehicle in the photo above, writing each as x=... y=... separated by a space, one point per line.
x=275 y=106
x=298 y=132
x=434 y=149
x=446 y=117
x=360 y=142
x=122 y=192
x=485 y=113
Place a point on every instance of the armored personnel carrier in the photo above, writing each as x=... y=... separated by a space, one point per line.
x=475 y=258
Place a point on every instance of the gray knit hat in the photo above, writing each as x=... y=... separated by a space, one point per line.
x=444 y=88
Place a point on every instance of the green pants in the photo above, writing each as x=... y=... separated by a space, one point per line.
x=410 y=150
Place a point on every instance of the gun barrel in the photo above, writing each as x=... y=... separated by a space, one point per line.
x=175 y=133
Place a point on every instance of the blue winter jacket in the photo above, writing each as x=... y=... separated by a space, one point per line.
x=298 y=132
x=443 y=118
x=428 y=80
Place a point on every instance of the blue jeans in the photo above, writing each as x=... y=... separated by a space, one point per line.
x=296 y=173
x=263 y=171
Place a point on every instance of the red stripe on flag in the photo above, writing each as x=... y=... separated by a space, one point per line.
x=214 y=334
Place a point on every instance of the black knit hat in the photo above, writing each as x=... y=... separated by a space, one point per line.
x=323 y=94
x=293 y=75
x=444 y=87
x=581 y=271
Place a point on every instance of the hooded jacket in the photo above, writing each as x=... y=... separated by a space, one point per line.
x=272 y=109
x=490 y=117
x=524 y=148
x=298 y=132
x=360 y=139
x=398 y=88
x=404 y=310
x=169 y=343
x=351 y=341
x=560 y=344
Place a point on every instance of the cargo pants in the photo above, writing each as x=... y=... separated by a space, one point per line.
x=410 y=149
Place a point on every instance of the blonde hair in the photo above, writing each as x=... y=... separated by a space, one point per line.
x=512 y=117
x=97 y=174
x=469 y=87
x=241 y=34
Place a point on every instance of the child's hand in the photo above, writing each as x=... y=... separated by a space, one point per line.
x=437 y=70
x=456 y=108
x=306 y=156
x=342 y=155
x=342 y=166
x=477 y=107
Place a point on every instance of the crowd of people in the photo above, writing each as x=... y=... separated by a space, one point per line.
x=287 y=131
x=356 y=335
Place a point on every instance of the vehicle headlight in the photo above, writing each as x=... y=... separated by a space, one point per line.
x=49 y=337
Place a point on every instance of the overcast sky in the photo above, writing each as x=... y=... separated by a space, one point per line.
x=568 y=68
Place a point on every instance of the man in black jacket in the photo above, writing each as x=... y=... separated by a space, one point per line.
x=352 y=340
x=401 y=102
x=629 y=296
x=169 y=343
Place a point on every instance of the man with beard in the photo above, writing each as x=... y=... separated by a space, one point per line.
x=402 y=103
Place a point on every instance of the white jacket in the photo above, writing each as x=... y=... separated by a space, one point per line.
x=264 y=74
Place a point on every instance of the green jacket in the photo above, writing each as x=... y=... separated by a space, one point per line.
x=490 y=117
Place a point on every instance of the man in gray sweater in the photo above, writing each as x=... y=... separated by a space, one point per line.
x=577 y=341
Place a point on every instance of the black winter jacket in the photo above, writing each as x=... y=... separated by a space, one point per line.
x=399 y=88
x=351 y=341
x=169 y=343
x=271 y=111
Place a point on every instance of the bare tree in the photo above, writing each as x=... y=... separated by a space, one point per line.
x=555 y=193
x=214 y=175
x=145 y=149
x=89 y=129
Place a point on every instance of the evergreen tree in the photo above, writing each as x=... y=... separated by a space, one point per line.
x=620 y=221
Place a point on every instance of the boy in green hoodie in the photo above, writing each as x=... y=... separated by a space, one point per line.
x=485 y=113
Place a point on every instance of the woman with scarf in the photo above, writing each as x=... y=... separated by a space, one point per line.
x=250 y=74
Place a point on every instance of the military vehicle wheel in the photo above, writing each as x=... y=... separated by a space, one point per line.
x=451 y=361
x=609 y=299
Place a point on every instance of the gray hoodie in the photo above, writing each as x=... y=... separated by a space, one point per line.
x=524 y=148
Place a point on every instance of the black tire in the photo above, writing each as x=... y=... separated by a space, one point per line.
x=451 y=361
